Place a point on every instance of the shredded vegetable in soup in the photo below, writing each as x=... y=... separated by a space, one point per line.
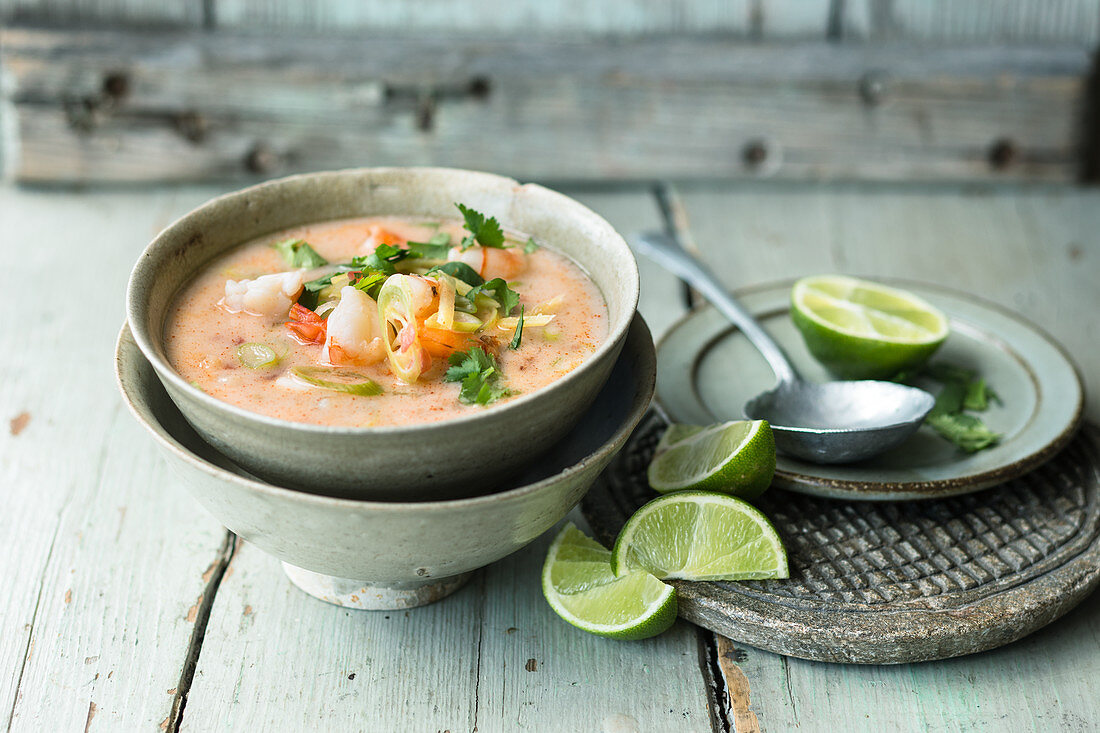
x=384 y=321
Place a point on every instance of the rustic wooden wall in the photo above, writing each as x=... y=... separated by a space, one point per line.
x=137 y=90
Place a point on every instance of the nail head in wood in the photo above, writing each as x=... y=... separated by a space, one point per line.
x=116 y=84
x=261 y=159
x=754 y=153
x=480 y=87
x=873 y=87
x=192 y=125
x=1003 y=152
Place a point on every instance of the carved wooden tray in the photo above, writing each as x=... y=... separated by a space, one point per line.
x=894 y=582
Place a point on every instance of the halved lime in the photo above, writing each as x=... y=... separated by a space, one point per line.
x=579 y=585
x=862 y=330
x=700 y=535
x=736 y=458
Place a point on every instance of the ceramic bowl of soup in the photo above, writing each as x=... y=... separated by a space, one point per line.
x=400 y=334
x=369 y=554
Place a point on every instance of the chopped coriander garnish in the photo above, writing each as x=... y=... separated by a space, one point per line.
x=518 y=337
x=530 y=246
x=370 y=282
x=486 y=232
x=499 y=291
x=478 y=374
x=460 y=270
x=429 y=251
x=298 y=253
x=382 y=259
x=962 y=390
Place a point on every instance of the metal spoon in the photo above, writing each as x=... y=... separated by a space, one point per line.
x=834 y=422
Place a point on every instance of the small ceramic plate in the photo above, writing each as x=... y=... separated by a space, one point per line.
x=706 y=370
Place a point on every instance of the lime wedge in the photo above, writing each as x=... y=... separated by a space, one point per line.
x=700 y=535
x=579 y=585
x=736 y=458
x=862 y=330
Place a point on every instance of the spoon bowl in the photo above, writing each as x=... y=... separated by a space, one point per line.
x=834 y=422
x=840 y=422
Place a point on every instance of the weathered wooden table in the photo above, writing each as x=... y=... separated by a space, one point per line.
x=127 y=607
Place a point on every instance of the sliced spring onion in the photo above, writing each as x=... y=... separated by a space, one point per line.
x=460 y=322
x=512 y=322
x=550 y=306
x=257 y=356
x=551 y=334
x=446 y=315
x=338 y=380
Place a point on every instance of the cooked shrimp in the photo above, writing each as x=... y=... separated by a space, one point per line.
x=267 y=295
x=490 y=262
x=354 y=331
x=376 y=235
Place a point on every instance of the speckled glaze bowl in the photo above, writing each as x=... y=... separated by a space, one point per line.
x=425 y=461
x=377 y=555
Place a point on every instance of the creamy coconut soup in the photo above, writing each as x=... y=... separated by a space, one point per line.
x=384 y=321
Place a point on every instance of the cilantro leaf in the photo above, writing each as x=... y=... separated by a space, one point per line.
x=370 y=282
x=966 y=431
x=461 y=270
x=486 y=232
x=478 y=375
x=962 y=390
x=530 y=246
x=429 y=251
x=518 y=337
x=382 y=259
x=498 y=290
x=298 y=253
x=979 y=395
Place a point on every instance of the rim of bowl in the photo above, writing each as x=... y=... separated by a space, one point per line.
x=135 y=310
x=637 y=339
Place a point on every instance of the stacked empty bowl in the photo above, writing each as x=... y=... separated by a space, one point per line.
x=391 y=516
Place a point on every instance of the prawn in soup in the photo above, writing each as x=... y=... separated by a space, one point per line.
x=384 y=321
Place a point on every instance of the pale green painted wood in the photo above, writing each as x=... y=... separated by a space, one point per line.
x=771 y=19
x=984 y=21
x=232 y=104
x=183 y=13
x=103 y=555
x=1036 y=251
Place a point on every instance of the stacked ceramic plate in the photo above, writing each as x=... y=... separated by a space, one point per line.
x=411 y=510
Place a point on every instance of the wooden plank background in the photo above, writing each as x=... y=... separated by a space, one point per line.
x=561 y=91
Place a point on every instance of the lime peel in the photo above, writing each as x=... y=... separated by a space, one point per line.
x=587 y=594
x=700 y=535
x=736 y=458
x=863 y=330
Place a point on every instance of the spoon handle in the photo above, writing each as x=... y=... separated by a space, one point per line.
x=665 y=251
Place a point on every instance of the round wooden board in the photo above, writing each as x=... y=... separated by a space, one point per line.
x=897 y=582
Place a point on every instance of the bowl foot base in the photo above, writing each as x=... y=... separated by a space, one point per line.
x=370 y=596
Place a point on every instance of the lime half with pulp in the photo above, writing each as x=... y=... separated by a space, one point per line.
x=862 y=330
x=736 y=458
x=581 y=588
x=700 y=535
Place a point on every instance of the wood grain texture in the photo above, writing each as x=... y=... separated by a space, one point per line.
x=609 y=18
x=983 y=21
x=459 y=664
x=233 y=106
x=1033 y=250
x=104 y=554
x=142 y=13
